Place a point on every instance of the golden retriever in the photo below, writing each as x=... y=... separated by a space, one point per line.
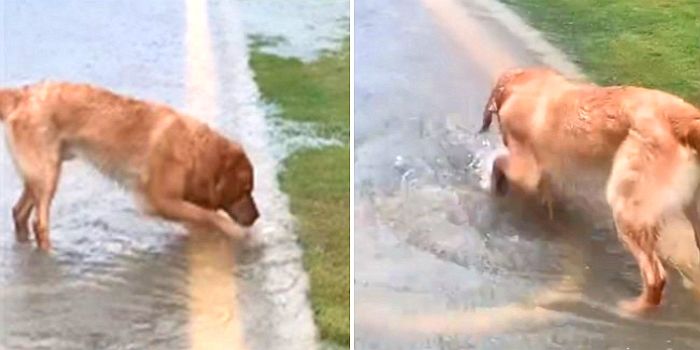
x=179 y=168
x=645 y=141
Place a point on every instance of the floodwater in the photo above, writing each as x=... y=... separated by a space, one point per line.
x=302 y=28
x=116 y=279
x=441 y=264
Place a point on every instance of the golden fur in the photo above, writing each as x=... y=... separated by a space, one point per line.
x=645 y=141
x=180 y=168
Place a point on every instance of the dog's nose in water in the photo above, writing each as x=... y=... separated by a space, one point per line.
x=499 y=181
x=249 y=220
x=244 y=212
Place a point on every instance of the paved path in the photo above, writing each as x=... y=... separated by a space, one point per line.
x=439 y=263
x=115 y=279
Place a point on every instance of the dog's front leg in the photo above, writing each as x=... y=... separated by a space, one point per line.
x=164 y=194
x=191 y=214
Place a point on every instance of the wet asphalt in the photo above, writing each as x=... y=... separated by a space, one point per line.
x=116 y=279
x=441 y=264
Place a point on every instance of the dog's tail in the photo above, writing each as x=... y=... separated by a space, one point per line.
x=8 y=100
x=499 y=93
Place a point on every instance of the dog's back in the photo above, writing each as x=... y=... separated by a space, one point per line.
x=564 y=122
x=108 y=130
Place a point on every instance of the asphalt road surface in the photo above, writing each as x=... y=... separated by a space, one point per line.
x=118 y=280
x=439 y=263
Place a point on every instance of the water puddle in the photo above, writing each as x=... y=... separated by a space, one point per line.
x=288 y=137
x=301 y=29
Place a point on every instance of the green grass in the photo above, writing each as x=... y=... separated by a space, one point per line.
x=317 y=180
x=652 y=43
x=308 y=92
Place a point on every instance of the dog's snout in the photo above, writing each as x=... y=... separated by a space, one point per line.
x=244 y=212
x=499 y=181
x=249 y=218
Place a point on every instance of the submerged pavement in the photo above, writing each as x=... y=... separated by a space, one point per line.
x=118 y=280
x=439 y=263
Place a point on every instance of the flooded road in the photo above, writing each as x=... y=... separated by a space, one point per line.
x=116 y=279
x=439 y=263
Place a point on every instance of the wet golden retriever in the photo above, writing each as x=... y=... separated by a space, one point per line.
x=179 y=168
x=645 y=141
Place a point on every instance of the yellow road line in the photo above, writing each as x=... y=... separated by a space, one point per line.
x=470 y=36
x=214 y=313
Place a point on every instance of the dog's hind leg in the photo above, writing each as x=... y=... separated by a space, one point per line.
x=637 y=186
x=641 y=242
x=37 y=154
x=44 y=190
x=21 y=212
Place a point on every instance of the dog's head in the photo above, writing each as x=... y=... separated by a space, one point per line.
x=235 y=186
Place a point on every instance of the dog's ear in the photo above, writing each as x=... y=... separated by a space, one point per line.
x=223 y=175
x=235 y=187
x=216 y=191
x=235 y=175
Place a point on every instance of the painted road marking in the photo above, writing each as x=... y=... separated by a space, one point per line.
x=215 y=321
x=470 y=36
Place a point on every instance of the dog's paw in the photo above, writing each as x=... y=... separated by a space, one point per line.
x=44 y=245
x=22 y=236
x=635 y=307
x=230 y=228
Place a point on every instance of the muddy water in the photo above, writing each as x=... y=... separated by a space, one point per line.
x=439 y=263
x=118 y=280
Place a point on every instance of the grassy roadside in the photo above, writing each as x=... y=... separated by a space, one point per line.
x=639 y=42
x=317 y=180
